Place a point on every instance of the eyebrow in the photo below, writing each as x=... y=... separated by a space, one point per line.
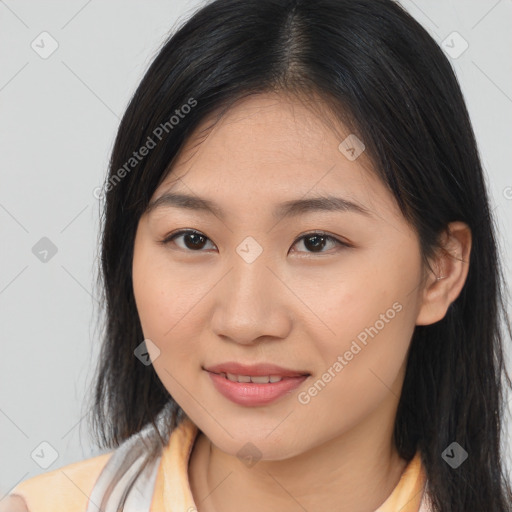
x=291 y=208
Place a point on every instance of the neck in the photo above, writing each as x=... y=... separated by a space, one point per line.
x=355 y=471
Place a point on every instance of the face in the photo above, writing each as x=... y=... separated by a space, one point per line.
x=331 y=293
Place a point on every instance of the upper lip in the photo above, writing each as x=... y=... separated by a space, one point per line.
x=255 y=370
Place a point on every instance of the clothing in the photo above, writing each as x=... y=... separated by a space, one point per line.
x=163 y=485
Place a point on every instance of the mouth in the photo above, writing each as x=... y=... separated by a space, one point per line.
x=253 y=385
x=256 y=379
x=261 y=373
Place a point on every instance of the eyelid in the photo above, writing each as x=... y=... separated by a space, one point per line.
x=339 y=241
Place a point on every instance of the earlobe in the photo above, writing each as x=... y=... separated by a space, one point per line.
x=447 y=275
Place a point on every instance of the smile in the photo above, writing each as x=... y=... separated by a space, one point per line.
x=263 y=390
x=257 y=379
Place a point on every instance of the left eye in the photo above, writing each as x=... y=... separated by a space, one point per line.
x=318 y=241
x=195 y=241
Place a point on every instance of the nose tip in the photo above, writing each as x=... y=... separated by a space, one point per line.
x=249 y=307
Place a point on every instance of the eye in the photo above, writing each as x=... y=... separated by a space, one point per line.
x=318 y=240
x=194 y=241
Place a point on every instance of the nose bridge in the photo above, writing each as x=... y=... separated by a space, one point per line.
x=249 y=282
x=248 y=304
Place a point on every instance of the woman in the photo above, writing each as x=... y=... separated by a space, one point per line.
x=301 y=277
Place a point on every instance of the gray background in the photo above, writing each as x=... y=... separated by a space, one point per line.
x=58 y=119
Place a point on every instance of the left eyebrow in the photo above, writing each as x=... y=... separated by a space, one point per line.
x=291 y=208
x=297 y=207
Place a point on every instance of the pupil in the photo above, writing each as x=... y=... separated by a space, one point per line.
x=194 y=236
x=317 y=238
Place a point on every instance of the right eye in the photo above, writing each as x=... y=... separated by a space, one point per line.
x=192 y=240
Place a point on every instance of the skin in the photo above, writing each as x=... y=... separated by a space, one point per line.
x=292 y=306
x=13 y=503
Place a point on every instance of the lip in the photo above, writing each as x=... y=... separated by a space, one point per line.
x=255 y=370
x=252 y=394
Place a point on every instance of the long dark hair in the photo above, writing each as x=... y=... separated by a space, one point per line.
x=381 y=74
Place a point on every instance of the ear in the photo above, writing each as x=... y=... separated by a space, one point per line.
x=447 y=275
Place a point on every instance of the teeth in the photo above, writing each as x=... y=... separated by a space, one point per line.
x=263 y=379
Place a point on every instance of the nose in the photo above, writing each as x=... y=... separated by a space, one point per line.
x=251 y=304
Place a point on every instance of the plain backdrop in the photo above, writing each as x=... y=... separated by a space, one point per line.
x=59 y=116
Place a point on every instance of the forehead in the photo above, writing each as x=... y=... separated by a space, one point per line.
x=271 y=148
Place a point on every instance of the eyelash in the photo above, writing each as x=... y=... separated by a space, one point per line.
x=173 y=236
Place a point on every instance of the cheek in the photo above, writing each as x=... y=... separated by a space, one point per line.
x=361 y=365
x=168 y=303
x=370 y=315
x=155 y=287
x=147 y=290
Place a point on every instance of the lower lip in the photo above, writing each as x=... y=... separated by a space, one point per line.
x=252 y=394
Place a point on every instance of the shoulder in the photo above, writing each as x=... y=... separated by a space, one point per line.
x=64 y=489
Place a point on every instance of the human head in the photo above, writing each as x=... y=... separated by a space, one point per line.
x=380 y=74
